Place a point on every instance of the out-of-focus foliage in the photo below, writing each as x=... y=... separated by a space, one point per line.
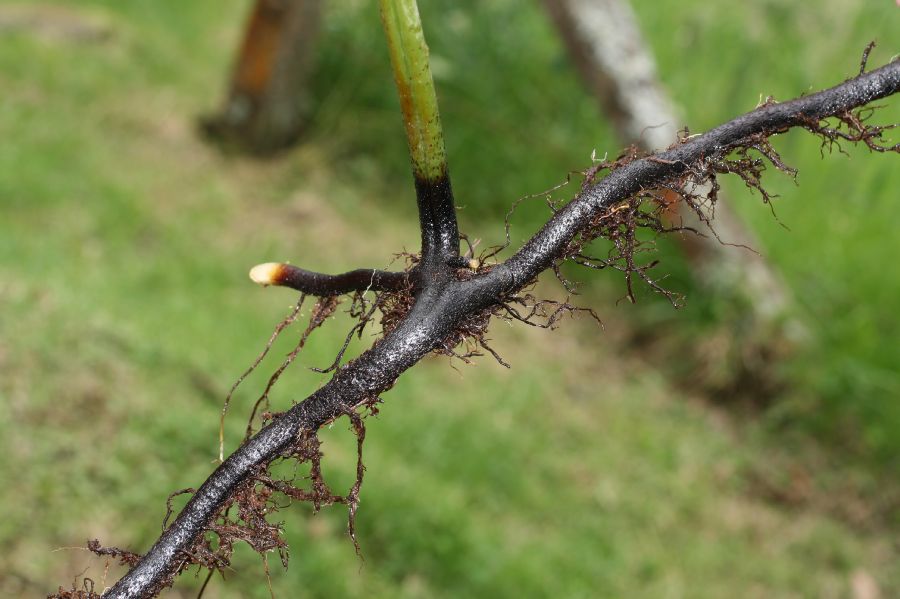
x=125 y=313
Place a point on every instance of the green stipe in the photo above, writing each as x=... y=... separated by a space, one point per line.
x=418 y=101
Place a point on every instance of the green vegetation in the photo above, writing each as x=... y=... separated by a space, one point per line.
x=125 y=315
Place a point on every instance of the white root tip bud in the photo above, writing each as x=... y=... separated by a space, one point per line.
x=266 y=274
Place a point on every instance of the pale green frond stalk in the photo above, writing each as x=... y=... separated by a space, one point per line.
x=418 y=101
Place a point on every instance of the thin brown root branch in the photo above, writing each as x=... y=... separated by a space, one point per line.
x=323 y=308
x=288 y=320
x=169 y=499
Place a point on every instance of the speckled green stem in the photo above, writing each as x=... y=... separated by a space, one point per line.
x=412 y=73
x=434 y=195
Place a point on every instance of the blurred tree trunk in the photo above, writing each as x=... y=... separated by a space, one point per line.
x=266 y=102
x=605 y=43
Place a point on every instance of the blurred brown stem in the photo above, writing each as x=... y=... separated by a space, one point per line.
x=266 y=101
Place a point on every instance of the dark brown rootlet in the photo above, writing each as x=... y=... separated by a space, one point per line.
x=449 y=306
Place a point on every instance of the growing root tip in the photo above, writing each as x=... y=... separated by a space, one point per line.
x=266 y=274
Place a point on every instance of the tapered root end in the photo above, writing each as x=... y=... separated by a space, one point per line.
x=267 y=274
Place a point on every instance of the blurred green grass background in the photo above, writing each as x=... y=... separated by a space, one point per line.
x=586 y=470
